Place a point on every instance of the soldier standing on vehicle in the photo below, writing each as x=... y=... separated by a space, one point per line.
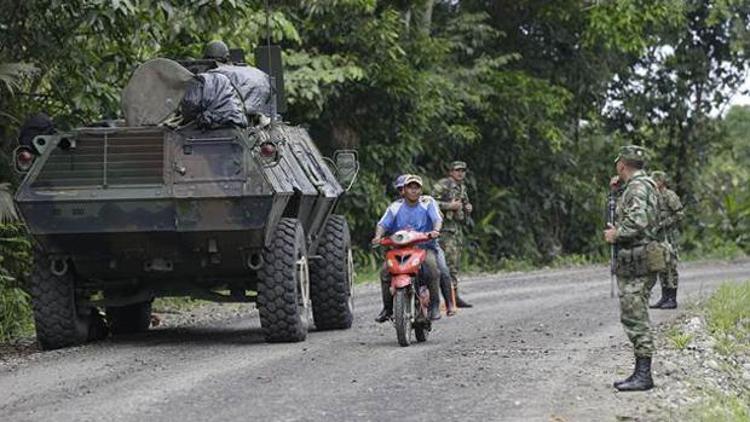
x=216 y=50
x=670 y=215
x=635 y=231
x=450 y=192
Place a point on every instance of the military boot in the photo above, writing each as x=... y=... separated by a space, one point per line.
x=460 y=302
x=661 y=301
x=445 y=289
x=641 y=379
x=671 y=302
x=387 y=312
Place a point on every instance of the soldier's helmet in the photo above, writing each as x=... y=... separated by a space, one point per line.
x=659 y=177
x=216 y=50
x=632 y=153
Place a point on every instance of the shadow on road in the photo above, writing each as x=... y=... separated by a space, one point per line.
x=192 y=336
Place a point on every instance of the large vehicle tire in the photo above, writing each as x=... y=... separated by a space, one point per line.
x=402 y=317
x=283 y=285
x=53 y=299
x=332 y=276
x=129 y=319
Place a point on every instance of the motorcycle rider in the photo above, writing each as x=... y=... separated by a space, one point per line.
x=444 y=271
x=420 y=213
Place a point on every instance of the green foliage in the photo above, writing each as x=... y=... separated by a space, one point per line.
x=721 y=408
x=535 y=95
x=679 y=339
x=15 y=257
x=175 y=304
x=729 y=312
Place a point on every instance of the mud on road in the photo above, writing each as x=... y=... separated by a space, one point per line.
x=544 y=345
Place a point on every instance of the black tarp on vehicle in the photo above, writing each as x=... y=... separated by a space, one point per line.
x=212 y=101
x=252 y=85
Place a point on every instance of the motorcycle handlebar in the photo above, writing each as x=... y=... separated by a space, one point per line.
x=417 y=237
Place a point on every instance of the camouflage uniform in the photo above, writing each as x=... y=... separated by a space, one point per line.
x=636 y=226
x=671 y=213
x=636 y=222
x=452 y=237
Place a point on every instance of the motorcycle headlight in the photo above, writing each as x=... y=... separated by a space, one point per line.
x=402 y=238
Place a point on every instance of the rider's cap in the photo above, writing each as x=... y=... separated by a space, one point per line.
x=399 y=182
x=632 y=153
x=412 y=178
x=458 y=165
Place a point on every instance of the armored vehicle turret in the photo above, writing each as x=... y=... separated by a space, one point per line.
x=201 y=191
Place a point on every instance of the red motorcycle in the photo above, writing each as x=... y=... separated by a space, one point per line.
x=411 y=298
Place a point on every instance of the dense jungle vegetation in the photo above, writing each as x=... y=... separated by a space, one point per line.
x=535 y=95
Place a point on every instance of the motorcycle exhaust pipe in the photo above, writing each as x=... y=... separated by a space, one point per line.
x=59 y=267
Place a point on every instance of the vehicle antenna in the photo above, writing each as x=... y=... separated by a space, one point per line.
x=271 y=79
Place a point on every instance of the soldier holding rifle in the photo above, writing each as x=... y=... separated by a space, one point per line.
x=450 y=192
x=635 y=234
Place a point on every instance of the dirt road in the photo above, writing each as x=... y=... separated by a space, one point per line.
x=543 y=346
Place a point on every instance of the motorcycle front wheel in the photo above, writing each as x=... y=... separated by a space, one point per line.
x=402 y=316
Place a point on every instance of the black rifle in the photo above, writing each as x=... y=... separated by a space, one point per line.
x=611 y=207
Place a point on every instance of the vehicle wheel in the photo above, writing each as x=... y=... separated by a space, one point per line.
x=129 y=319
x=283 y=285
x=53 y=299
x=402 y=316
x=332 y=277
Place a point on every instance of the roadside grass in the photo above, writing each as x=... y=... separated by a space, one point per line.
x=368 y=264
x=364 y=275
x=679 y=339
x=728 y=317
x=16 y=320
x=176 y=304
x=724 y=251
x=726 y=395
x=721 y=407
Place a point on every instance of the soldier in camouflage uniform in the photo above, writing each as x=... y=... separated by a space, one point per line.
x=670 y=214
x=636 y=225
x=451 y=195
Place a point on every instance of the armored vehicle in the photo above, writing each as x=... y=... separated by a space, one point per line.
x=217 y=206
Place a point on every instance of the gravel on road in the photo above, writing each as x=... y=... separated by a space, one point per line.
x=543 y=345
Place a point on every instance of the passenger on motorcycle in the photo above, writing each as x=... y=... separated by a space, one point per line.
x=444 y=272
x=421 y=214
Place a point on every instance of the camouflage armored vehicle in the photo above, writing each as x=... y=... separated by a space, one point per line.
x=206 y=206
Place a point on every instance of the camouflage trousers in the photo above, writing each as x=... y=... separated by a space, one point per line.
x=634 y=293
x=452 y=242
x=669 y=278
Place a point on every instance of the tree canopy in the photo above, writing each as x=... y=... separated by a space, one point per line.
x=534 y=95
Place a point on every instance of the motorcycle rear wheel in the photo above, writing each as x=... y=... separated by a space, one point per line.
x=402 y=316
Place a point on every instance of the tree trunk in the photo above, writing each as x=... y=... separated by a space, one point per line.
x=425 y=17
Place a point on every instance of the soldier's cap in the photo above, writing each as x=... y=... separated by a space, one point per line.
x=457 y=165
x=399 y=182
x=632 y=153
x=412 y=178
x=659 y=176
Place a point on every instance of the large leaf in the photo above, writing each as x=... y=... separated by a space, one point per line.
x=12 y=74
x=7 y=211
